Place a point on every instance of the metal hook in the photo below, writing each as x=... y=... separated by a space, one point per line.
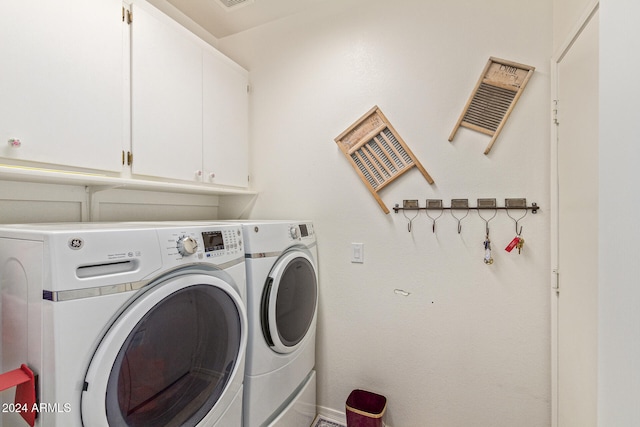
x=433 y=225
x=487 y=204
x=516 y=204
x=486 y=221
x=410 y=220
x=518 y=230
x=459 y=219
x=459 y=204
x=433 y=220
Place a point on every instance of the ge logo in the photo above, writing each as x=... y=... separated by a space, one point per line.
x=76 y=243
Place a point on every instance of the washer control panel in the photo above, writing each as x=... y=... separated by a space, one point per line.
x=197 y=243
x=218 y=242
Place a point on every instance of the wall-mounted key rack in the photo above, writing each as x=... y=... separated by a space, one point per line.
x=460 y=208
x=436 y=204
x=516 y=210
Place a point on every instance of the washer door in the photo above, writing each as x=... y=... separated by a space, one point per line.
x=172 y=357
x=289 y=301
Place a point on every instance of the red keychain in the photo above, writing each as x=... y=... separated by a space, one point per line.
x=517 y=242
x=512 y=244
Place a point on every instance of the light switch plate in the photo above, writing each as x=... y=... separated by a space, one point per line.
x=357 y=253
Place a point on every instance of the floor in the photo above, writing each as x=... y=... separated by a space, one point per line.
x=324 y=422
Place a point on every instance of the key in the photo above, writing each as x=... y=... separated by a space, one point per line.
x=520 y=244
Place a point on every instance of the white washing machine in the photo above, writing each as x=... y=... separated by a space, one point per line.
x=282 y=302
x=126 y=324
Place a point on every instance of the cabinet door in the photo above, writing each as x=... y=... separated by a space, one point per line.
x=225 y=121
x=166 y=97
x=61 y=84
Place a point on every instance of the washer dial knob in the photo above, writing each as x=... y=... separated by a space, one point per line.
x=293 y=230
x=187 y=245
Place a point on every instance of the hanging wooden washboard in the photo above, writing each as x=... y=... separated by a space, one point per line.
x=492 y=100
x=377 y=153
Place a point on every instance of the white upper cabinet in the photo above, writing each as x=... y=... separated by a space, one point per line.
x=225 y=121
x=166 y=97
x=62 y=90
x=82 y=88
x=189 y=105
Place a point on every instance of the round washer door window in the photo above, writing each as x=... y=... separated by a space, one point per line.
x=289 y=301
x=172 y=365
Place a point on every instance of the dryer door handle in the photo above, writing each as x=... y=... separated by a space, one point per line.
x=264 y=311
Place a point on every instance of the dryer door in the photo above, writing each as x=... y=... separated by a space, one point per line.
x=173 y=357
x=289 y=301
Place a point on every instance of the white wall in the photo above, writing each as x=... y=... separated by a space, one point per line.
x=470 y=344
x=619 y=295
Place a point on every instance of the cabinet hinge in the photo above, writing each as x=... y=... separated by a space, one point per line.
x=555 y=112
x=127 y=16
x=556 y=285
x=127 y=157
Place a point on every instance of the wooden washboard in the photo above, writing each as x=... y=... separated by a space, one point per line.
x=492 y=100
x=377 y=153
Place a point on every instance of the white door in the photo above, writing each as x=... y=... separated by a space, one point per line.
x=225 y=121
x=62 y=82
x=174 y=356
x=289 y=301
x=166 y=97
x=577 y=230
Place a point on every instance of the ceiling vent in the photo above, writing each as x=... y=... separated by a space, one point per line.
x=234 y=4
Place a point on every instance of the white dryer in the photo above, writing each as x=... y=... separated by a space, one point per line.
x=126 y=324
x=282 y=302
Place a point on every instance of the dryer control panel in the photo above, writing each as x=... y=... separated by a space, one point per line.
x=301 y=231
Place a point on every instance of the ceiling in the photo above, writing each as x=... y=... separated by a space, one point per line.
x=221 y=21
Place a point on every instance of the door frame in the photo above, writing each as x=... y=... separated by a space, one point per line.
x=576 y=31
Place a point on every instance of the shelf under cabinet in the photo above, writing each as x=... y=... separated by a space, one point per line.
x=53 y=176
